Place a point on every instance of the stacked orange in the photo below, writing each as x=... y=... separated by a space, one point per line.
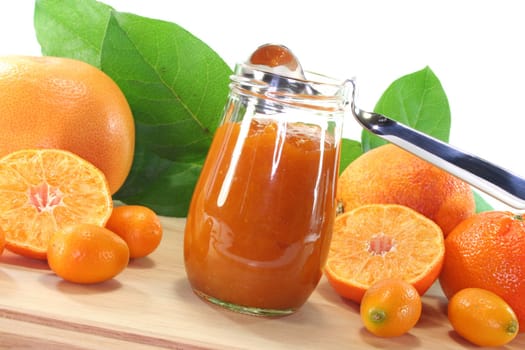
x=68 y=145
x=54 y=205
x=374 y=241
x=488 y=251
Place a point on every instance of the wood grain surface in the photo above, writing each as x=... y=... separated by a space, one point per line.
x=151 y=306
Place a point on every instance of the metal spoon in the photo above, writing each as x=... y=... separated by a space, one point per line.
x=481 y=174
x=485 y=176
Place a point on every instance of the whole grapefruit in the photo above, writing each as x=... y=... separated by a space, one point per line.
x=52 y=102
x=390 y=175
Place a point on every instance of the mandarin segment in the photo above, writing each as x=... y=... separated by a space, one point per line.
x=376 y=242
x=44 y=190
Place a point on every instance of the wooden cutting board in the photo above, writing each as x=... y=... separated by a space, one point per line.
x=150 y=306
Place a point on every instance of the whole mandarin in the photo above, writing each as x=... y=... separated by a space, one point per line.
x=391 y=175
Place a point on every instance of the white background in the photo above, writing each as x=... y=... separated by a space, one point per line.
x=476 y=48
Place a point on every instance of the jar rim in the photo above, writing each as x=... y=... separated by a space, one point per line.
x=320 y=93
x=248 y=70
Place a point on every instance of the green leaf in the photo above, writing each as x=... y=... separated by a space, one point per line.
x=416 y=100
x=71 y=28
x=481 y=203
x=175 y=84
x=165 y=185
x=177 y=87
x=350 y=150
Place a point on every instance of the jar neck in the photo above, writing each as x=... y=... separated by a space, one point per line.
x=319 y=92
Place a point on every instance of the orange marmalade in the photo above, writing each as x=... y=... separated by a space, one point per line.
x=260 y=221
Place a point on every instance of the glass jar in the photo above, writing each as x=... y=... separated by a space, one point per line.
x=260 y=221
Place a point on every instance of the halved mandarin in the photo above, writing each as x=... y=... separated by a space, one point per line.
x=382 y=241
x=43 y=190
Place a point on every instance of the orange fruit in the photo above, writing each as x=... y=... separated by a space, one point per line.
x=2 y=241
x=379 y=241
x=488 y=251
x=51 y=102
x=139 y=226
x=388 y=174
x=482 y=317
x=87 y=253
x=390 y=308
x=42 y=191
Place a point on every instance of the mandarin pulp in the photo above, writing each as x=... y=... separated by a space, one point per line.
x=381 y=241
x=45 y=190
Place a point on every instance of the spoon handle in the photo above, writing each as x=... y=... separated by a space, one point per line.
x=485 y=176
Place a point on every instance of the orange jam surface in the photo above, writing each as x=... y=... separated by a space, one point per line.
x=261 y=217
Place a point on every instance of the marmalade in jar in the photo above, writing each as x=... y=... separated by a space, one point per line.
x=260 y=221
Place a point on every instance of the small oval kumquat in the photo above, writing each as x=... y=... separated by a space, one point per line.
x=482 y=317
x=139 y=226
x=390 y=308
x=87 y=253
